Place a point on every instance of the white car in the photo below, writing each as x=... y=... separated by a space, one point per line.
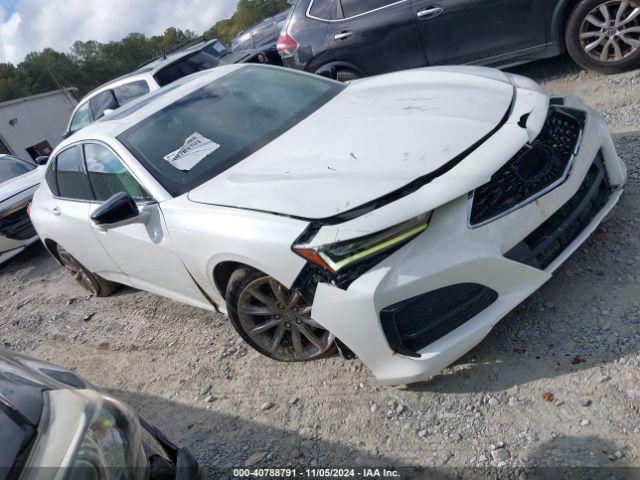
x=148 y=78
x=19 y=180
x=400 y=216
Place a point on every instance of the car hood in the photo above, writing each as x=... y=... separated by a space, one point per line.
x=375 y=137
x=19 y=184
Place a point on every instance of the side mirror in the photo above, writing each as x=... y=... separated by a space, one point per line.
x=119 y=208
x=42 y=160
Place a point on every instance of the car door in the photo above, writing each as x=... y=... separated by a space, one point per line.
x=142 y=249
x=480 y=31
x=376 y=36
x=68 y=211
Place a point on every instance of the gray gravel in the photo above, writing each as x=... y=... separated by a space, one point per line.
x=555 y=384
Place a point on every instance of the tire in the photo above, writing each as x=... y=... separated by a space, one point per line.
x=92 y=283
x=596 y=25
x=273 y=320
x=347 y=76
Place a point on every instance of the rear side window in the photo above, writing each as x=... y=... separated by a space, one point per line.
x=264 y=35
x=352 y=8
x=12 y=167
x=321 y=9
x=82 y=118
x=69 y=175
x=130 y=91
x=192 y=64
x=101 y=102
x=108 y=175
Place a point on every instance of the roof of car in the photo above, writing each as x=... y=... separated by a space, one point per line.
x=137 y=110
x=150 y=68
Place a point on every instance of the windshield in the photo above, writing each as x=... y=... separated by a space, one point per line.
x=12 y=167
x=210 y=130
x=196 y=62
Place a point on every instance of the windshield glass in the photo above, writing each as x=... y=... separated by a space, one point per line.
x=210 y=130
x=194 y=63
x=12 y=167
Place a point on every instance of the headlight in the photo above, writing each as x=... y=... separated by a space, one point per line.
x=87 y=435
x=337 y=256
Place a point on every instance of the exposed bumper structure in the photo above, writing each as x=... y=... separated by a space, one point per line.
x=501 y=256
x=16 y=230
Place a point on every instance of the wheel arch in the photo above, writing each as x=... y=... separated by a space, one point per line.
x=223 y=269
x=52 y=248
x=559 y=21
x=338 y=65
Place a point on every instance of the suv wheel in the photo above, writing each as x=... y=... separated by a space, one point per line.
x=346 y=75
x=275 y=321
x=95 y=285
x=604 y=35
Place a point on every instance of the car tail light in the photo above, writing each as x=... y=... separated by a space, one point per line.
x=29 y=209
x=286 y=46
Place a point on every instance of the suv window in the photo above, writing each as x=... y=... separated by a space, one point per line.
x=264 y=35
x=244 y=43
x=101 y=102
x=108 y=175
x=82 y=118
x=12 y=167
x=70 y=179
x=216 y=49
x=194 y=63
x=322 y=9
x=130 y=91
x=351 y=8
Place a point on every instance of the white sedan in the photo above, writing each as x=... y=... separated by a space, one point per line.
x=19 y=180
x=398 y=217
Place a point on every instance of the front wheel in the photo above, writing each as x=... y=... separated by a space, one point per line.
x=604 y=35
x=275 y=321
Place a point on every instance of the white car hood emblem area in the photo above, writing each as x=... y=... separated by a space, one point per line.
x=375 y=137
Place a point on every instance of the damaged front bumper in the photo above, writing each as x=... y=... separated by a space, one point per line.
x=467 y=279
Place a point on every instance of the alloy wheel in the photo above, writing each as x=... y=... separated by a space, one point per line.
x=279 y=321
x=611 y=31
x=78 y=272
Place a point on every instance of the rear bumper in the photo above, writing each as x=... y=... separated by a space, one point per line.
x=450 y=253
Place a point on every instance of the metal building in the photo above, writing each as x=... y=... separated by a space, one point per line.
x=31 y=127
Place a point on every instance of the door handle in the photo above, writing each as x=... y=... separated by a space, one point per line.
x=56 y=211
x=343 y=35
x=430 y=12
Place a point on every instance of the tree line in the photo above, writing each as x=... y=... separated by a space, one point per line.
x=90 y=64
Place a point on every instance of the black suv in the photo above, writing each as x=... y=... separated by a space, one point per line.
x=354 y=38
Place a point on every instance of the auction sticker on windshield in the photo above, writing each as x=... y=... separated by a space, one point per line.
x=194 y=150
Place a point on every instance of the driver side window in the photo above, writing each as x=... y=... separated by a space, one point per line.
x=108 y=175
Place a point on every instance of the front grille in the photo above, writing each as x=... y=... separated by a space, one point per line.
x=536 y=169
x=542 y=247
x=16 y=224
x=413 y=324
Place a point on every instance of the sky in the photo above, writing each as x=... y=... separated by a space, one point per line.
x=31 y=25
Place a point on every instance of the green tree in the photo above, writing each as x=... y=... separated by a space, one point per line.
x=90 y=64
x=248 y=13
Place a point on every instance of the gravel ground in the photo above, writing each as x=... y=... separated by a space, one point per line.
x=555 y=384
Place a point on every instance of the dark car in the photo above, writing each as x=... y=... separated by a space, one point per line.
x=354 y=38
x=50 y=417
x=261 y=39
